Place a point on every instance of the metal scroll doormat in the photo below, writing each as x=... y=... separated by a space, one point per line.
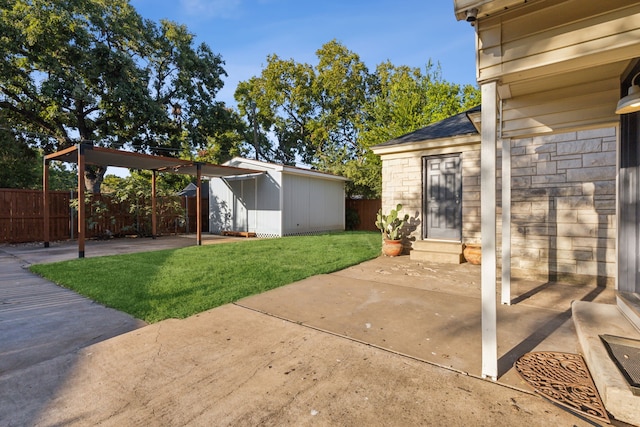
x=625 y=352
x=564 y=379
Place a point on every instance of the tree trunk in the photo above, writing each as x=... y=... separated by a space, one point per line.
x=93 y=177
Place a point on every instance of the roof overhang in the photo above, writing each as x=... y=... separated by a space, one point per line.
x=484 y=8
x=428 y=144
x=286 y=169
x=100 y=156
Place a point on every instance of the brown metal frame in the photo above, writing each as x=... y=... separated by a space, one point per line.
x=87 y=154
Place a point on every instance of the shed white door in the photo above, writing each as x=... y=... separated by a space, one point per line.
x=442 y=178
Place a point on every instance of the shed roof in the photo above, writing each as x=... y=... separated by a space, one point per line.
x=294 y=170
x=457 y=125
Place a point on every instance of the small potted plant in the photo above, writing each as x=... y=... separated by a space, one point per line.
x=391 y=227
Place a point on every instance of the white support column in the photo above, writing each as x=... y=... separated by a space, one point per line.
x=506 y=222
x=488 y=229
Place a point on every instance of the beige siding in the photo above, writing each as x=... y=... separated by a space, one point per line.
x=557 y=37
x=559 y=63
x=585 y=105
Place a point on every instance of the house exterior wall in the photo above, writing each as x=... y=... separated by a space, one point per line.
x=564 y=206
x=553 y=37
x=563 y=209
x=402 y=183
x=558 y=64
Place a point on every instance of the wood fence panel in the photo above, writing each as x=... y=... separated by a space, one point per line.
x=367 y=210
x=21 y=216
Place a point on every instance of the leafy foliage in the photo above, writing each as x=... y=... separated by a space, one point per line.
x=21 y=166
x=95 y=70
x=330 y=114
x=134 y=191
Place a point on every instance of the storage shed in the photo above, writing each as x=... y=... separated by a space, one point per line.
x=280 y=201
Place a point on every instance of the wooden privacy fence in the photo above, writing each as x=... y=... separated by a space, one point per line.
x=367 y=209
x=21 y=216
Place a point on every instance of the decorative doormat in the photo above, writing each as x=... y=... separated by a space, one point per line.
x=564 y=379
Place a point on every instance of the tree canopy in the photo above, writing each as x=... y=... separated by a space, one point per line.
x=95 y=70
x=328 y=115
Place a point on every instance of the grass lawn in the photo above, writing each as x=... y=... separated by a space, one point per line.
x=178 y=283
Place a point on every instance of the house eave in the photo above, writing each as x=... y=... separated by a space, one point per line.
x=485 y=8
x=430 y=144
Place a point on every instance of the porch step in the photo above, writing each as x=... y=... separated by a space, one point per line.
x=594 y=319
x=443 y=251
x=629 y=304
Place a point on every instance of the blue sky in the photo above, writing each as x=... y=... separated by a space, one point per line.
x=244 y=32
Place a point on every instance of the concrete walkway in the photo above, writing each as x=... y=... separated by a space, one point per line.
x=347 y=348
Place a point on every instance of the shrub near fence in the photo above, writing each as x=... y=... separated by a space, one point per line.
x=21 y=216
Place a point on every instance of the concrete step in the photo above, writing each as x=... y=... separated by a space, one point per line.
x=592 y=320
x=629 y=304
x=442 y=251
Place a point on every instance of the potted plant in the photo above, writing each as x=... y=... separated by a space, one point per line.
x=391 y=227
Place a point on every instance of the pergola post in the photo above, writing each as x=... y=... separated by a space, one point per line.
x=199 y=204
x=488 y=229
x=81 y=204
x=45 y=202
x=154 y=222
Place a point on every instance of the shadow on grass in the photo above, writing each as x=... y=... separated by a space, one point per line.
x=178 y=283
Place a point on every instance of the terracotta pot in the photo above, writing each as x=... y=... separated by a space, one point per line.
x=392 y=247
x=473 y=254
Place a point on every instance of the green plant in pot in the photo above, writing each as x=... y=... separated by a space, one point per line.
x=391 y=226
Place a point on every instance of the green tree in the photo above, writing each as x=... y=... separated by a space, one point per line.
x=18 y=163
x=21 y=166
x=403 y=99
x=342 y=91
x=94 y=70
x=280 y=102
x=329 y=115
x=228 y=141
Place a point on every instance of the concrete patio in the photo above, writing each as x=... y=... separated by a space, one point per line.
x=357 y=334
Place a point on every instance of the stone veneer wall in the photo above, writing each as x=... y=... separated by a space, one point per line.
x=402 y=183
x=563 y=202
x=564 y=206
